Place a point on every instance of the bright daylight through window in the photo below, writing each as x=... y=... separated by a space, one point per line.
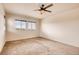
x=25 y=25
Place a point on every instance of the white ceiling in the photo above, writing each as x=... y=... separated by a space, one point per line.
x=28 y=9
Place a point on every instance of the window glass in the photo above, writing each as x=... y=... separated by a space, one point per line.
x=29 y=25
x=18 y=24
x=33 y=26
x=23 y=25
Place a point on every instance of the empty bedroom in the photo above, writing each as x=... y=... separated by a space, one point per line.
x=39 y=29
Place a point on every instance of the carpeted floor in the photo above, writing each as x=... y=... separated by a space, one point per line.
x=38 y=46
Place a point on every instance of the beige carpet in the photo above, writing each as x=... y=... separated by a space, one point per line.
x=38 y=46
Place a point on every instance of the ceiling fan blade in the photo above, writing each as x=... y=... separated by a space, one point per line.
x=48 y=10
x=37 y=10
x=48 y=6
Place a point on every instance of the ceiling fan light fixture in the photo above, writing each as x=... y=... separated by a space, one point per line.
x=43 y=8
x=41 y=12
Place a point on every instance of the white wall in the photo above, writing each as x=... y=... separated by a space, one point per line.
x=13 y=34
x=63 y=27
x=2 y=28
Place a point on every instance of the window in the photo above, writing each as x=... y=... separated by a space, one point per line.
x=31 y=25
x=19 y=24
x=22 y=24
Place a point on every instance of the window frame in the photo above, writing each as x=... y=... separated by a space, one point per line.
x=31 y=25
x=26 y=25
x=21 y=21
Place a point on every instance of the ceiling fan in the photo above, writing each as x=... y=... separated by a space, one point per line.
x=43 y=7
